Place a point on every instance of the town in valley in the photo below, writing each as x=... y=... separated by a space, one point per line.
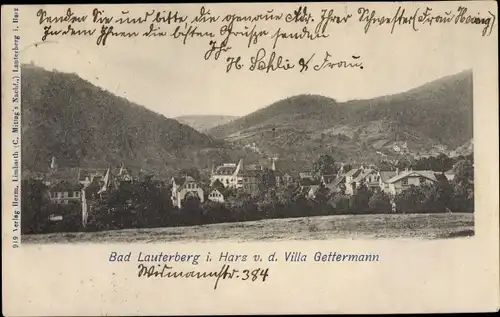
x=331 y=186
x=306 y=166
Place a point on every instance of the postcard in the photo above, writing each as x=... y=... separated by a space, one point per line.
x=250 y=158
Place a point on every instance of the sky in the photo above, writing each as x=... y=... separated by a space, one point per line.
x=173 y=79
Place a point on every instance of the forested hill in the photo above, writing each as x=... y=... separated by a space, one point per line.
x=83 y=125
x=435 y=117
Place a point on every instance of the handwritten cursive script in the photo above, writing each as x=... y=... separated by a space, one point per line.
x=265 y=33
x=225 y=273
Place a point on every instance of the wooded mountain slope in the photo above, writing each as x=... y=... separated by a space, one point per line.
x=435 y=117
x=83 y=125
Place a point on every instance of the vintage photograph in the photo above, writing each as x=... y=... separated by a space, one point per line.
x=343 y=152
x=97 y=167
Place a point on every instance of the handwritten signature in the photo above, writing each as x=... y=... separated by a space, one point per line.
x=262 y=61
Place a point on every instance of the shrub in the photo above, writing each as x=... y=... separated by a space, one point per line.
x=380 y=202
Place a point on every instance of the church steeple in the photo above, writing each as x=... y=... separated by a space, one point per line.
x=239 y=167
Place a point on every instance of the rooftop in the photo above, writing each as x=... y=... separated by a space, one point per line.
x=308 y=182
x=386 y=175
x=353 y=172
x=181 y=181
x=65 y=186
x=225 y=170
x=363 y=174
x=329 y=178
x=83 y=173
x=427 y=174
x=251 y=173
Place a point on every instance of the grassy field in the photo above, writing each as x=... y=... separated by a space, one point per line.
x=416 y=226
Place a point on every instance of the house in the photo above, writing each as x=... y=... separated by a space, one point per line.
x=287 y=179
x=304 y=190
x=384 y=177
x=55 y=176
x=251 y=181
x=404 y=180
x=184 y=187
x=312 y=190
x=217 y=195
x=229 y=174
x=278 y=178
x=450 y=175
x=349 y=177
x=87 y=175
x=305 y=175
x=220 y=195
x=308 y=186
x=90 y=199
x=254 y=167
x=338 y=184
x=328 y=179
x=65 y=192
x=123 y=175
x=368 y=177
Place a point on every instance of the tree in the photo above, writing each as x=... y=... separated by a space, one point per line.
x=72 y=217
x=217 y=184
x=463 y=184
x=341 y=202
x=410 y=200
x=267 y=181
x=138 y=205
x=322 y=200
x=347 y=167
x=215 y=212
x=323 y=194
x=148 y=202
x=34 y=206
x=386 y=165
x=403 y=164
x=245 y=207
x=269 y=203
x=324 y=165
x=191 y=209
x=443 y=163
x=438 y=196
x=360 y=199
x=286 y=194
x=380 y=202
x=191 y=171
x=300 y=207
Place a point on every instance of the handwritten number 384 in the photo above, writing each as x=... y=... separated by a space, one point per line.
x=255 y=274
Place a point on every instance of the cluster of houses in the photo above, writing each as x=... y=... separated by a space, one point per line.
x=228 y=178
x=231 y=177
x=390 y=182
x=83 y=187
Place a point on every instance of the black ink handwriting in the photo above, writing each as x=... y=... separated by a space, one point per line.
x=225 y=272
x=273 y=63
x=216 y=50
